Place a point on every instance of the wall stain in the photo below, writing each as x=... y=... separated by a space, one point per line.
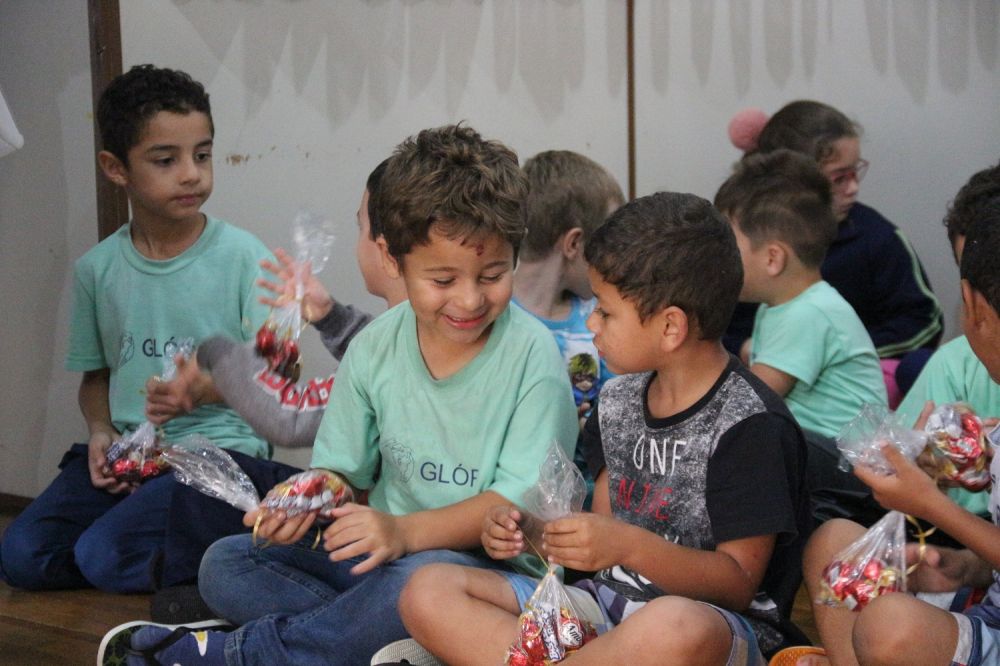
x=235 y=159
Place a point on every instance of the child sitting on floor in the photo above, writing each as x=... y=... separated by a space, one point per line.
x=808 y=344
x=700 y=506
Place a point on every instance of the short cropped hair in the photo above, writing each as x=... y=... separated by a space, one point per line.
x=982 y=189
x=781 y=195
x=374 y=187
x=807 y=127
x=565 y=190
x=132 y=98
x=456 y=181
x=671 y=249
x=981 y=257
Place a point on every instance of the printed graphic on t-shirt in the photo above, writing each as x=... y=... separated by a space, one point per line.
x=582 y=364
x=126 y=348
x=311 y=397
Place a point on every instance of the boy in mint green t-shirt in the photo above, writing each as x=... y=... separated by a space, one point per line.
x=808 y=344
x=443 y=407
x=171 y=273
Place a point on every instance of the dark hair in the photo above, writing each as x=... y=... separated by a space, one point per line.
x=982 y=189
x=981 y=257
x=565 y=190
x=671 y=249
x=453 y=179
x=134 y=97
x=782 y=196
x=806 y=127
x=374 y=187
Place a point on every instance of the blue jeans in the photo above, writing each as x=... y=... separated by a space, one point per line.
x=296 y=606
x=75 y=535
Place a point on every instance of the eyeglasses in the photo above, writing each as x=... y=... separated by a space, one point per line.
x=841 y=178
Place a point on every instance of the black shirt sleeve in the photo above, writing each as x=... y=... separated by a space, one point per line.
x=769 y=499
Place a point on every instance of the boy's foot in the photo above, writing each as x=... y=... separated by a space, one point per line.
x=181 y=604
x=142 y=643
x=406 y=651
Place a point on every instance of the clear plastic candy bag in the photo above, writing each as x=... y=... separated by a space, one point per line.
x=551 y=625
x=277 y=339
x=860 y=441
x=872 y=566
x=550 y=628
x=958 y=446
x=312 y=490
x=138 y=455
x=209 y=469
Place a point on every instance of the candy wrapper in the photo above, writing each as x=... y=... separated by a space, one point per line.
x=278 y=338
x=860 y=441
x=872 y=566
x=551 y=625
x=550 y=628
x=207 y=468
x=958 y=446
x=312 y=490
x=138 y=455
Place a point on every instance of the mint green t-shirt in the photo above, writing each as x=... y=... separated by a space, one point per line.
x=419 y=443
x=127 y=308
x=954 y=374
x=818 y=338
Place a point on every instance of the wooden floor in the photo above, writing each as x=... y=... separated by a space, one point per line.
x=66 y=628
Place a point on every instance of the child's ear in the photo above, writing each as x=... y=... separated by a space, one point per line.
x=571 y=243
x=389 y=263
x=113 y=168
x=777 y=259
x=674 y=328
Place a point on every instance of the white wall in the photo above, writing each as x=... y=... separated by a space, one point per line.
x=309 y=95
x=47 y=219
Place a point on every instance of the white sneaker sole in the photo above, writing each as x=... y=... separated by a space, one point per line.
x=407 y=649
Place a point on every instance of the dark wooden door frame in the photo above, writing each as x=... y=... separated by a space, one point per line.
x=106 y=64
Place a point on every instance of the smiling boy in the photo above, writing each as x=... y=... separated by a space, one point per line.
x=443 y=407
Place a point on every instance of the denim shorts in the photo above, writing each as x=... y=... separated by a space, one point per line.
x=596 y=606
x=978 y=636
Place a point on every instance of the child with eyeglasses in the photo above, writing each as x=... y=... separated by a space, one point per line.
x=870 y=262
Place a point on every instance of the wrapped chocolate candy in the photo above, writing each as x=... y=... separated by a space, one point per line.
x=277 y=339
x=958 y=446
x=137 y=456
x=872 y=566
x=313 y=490
x=550 y=628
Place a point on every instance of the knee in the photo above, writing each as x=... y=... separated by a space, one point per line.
x=829 y=538
x=884 y=629
x=690 y=635
x=426 y=592
x=224 y=560
x=98 y=560
x=20 y=561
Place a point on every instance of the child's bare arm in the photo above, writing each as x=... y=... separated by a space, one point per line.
x=780 y=382
x=93 y=399
x=360 y=530
x=911 y=491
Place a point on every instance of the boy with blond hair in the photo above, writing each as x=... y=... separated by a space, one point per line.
x=443 y=406
x=700 y=510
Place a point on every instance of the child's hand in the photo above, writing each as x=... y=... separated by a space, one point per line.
x=167 y=400
x=97 y=461
x=316 y=300
x=358 y=530
x=501 y=537
x=938 y=569
x=909 y=490
x=277 y=527
x=585 y=541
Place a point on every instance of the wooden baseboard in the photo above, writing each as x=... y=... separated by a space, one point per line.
x=13 y=502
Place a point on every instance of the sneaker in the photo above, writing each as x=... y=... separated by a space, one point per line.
x=181 y=604
x=406 y=651
x=117 y=649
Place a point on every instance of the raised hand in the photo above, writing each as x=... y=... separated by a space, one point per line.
x=316 y=300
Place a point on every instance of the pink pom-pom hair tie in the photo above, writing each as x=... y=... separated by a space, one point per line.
x=745 y=128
